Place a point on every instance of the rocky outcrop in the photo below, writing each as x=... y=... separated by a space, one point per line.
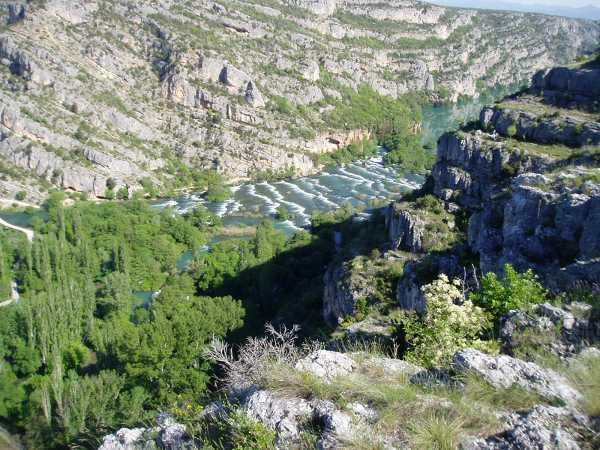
x=342 y=292
x=471 y=168
x=569 y=88
x=542 y=427
x=318 y=7
x=533 y=203
x=404 y=229
x=503 y=371
x=544 y=229
x=22 y=64
x=167 y=434
x=541 y=127
x=566 y=330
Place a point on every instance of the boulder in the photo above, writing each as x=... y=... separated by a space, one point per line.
x=233 y=77
x=167 y=434
x=253 y=96
x=504 y=371
x=541 y=428
x=310 y=71
x=326 y=364
x=125 y=439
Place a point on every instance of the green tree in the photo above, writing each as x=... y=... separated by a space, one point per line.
x=514 y=291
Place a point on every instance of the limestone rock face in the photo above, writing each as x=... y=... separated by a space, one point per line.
x=318 y=7
x=504 y=371
x=524 y=210
x=569 y=130
x=342 y=293
x=233 y=77
x=405 y=230
x=568 y=87
x=181 y=96
x=21 y=64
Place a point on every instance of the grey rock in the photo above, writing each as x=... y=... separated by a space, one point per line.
x=566 y=87
x=310 y=71
x=281 y=414
x=541 y=428
x=21 y=64
x=326 y=364
x=167 y=435
x=405 y=230
x=16 y=13
x=125 y=439
x=253 y=96
x=408 y=292
x=233 y=77
x=504 y=371
x=318 y=7
x=342 y=292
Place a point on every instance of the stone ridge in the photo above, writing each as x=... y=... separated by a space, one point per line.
x=94 y=91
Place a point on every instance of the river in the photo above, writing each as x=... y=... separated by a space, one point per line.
x=362 y=183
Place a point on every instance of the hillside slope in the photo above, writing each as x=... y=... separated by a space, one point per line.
x=101 y=90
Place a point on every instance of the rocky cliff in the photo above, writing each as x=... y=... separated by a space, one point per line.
x=528 y=173
x=520 y=186
x=97 y=90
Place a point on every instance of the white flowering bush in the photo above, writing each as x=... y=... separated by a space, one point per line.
x=450 y=323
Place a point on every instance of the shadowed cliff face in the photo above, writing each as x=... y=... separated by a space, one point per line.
x=91 y=92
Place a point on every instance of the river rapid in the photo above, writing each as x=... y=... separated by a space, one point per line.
x=362 y=184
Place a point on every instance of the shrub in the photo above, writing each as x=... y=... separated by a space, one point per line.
x=450 y=324
x=281 y=105
x=109 y=194
x=511 y=130
x=123 y=193
x=20 y=196
x=247 y=433
x=514 y=291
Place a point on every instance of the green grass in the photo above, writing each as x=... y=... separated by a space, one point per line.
x=436 y=431
x=554 y=151
x=585 y=376
x=514 y=398
x=423 y=416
